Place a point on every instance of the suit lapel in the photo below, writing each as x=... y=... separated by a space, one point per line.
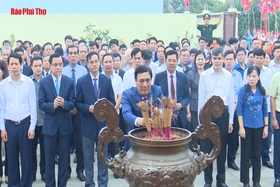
x=90 y=86
x=178 y=83
x=51 y=85
x=165 y=87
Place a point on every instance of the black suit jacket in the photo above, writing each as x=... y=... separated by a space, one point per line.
x=26 y=70
x=182 y=91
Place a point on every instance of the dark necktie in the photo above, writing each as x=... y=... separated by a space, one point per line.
x=172 y=87
x=74 y=80
x=144 y=99
x=116 y=71
x=95 y=87
x=47 y=73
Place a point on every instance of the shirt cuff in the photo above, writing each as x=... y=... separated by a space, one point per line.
x=135 y=122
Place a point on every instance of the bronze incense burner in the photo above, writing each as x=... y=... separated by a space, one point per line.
x=152 y=163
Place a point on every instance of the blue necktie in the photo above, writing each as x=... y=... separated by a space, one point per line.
x=56 y=86
x=74 y=79
x=95 y=87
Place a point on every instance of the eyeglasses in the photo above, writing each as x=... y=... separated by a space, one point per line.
x=60 y=65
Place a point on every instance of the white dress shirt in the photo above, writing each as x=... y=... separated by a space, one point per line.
x=18 y=101
x=266 y=78
x=79 y=71
x=169 y=83
x=97 y=81
x=117 y=85
x=129 y=79
x=274 y=66
x=211 y=83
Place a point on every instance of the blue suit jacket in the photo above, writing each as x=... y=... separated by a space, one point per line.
x=86 y=97
x=130 y=98
x=182 y=91
x=59 y=118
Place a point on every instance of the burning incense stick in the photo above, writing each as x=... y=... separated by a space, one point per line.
x=143 y=105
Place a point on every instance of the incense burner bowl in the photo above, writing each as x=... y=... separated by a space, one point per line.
x=154 y=163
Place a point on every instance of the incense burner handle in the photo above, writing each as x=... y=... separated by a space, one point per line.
x=104 y=110
x=213 y=107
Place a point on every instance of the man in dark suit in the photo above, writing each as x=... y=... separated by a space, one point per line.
x=143 y=91
x=90 y=88
x=175 y=85
x=117 y=65
x=56 y=97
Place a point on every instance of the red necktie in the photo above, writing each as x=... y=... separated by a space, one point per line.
x=144 y=98
x=172 y=87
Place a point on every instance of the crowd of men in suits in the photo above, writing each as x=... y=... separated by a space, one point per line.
x=56 y=104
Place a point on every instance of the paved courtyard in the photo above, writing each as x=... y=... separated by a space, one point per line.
x=232 y=177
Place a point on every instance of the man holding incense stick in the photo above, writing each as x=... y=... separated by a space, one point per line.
x=143 y=91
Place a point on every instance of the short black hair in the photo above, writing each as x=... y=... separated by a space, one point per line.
x=259 y=52
x=264 y=42
x=56 y=44
x=82 y=41
x=113 y=41
x=108 y=54
x=135 y=51
x=250 y=52
x=255 y=39
x=104 y=45
x=184 y=39
x=70 y=47
x=151 y=38
x=142 y=69
x=59 y=50
x=160 y=41
x=202 y=38
x=233 y=40
x=35 y=58
x=173 y=45
x=147 y=54
x=6 y=41
x=241 y=49
x=188 y=42
x=276 y=47
x=28 y=42
x=75 y=40
x=228 y=52
x=92 y=43
x=115 y=55
x=161 y=47
x=122 y=46
x=34 y=49
x=68 y=37
x=216 y=51
x=183 y=50
x=20 y=41
x=48 y=43
x=171 y=52
x=90 y=54
x=193 y=51
x=18 y=49
x=15 y=55
x=135 y=41
x=97 y=38
x=55 y=55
